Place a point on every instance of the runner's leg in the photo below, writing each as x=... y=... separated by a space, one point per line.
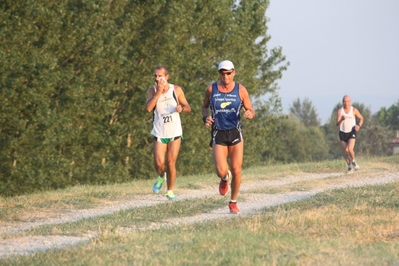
x=236 y=159
x=171 y=158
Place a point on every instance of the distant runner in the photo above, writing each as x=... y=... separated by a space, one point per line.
x=346 y=121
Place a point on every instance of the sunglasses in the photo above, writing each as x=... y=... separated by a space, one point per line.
x=225 y=73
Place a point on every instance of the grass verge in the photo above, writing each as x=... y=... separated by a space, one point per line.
x=354 y=226
x=351 y=226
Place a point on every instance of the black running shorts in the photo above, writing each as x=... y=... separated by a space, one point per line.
x=229 y=137
x=347 y=136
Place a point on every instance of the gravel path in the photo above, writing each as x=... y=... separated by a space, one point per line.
x=253 y=203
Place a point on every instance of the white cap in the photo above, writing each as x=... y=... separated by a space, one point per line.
x=226 y=65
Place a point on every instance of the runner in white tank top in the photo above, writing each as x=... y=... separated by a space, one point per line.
x=166 y=119
x=167 y=101
x=349 y=121
x=346 y=121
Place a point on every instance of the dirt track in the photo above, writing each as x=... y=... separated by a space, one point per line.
x=254 y=202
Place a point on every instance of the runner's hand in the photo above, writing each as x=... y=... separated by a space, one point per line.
x=208 y=121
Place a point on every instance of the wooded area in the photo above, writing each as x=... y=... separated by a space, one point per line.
x=74 y=76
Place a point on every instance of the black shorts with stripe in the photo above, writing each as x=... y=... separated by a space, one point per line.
x=229 y=137
x=347 y=136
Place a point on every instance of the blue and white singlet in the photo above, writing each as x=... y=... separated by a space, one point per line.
x=226 y=108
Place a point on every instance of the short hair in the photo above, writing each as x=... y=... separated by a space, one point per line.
x=343 y=98
x=162 y=67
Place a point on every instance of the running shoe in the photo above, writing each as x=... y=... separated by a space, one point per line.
x=224 y=184
x=158 y=184
x=233 y=208
x=171 y=196
x=355 y=166
x=350 y=171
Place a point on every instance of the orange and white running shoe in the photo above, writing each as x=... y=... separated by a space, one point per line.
x=233 y=208
x=224 y=184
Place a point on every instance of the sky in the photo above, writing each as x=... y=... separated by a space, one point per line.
x=337 y=48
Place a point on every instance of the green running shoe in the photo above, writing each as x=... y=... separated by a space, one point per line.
x=158 y=184
x=170 y=196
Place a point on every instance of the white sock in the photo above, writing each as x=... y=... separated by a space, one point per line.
x=226 y=177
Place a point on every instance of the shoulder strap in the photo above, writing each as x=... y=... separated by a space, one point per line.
x=214 y=87
x=172 y=87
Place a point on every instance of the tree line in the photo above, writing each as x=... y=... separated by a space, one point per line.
x=74 y=76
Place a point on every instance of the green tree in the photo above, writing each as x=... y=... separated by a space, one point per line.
x=292 y=141
x=306 y=112
x=259 y=133
x=386 y=122
x=74 y=75
x=389 y=117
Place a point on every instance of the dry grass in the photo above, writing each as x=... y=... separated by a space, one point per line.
x=51 y=203
x=351 y=226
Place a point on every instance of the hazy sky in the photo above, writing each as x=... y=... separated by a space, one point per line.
x=336 y=48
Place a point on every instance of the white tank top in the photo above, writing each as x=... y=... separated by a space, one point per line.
x=350 y=121
x=167 y=122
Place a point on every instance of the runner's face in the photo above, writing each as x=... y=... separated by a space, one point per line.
x=226 y=76
x=346 y=102
x=160 y=75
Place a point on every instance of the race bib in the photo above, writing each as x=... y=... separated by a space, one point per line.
x=170 y=117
